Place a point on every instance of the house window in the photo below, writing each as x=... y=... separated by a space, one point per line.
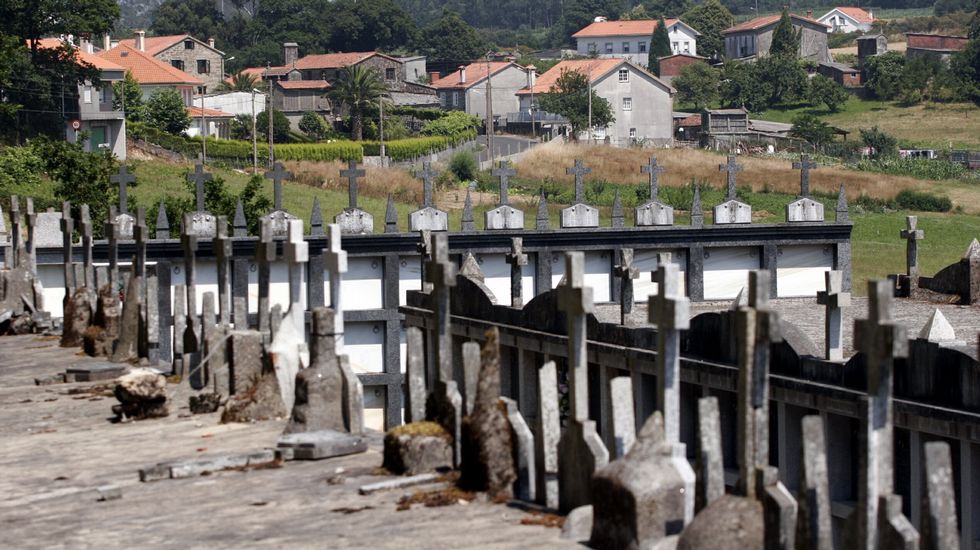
x=632 y=133
x=177 y=64
x=389 y=73
x=592 y=48
x=624 y=75
x=626 y=47
x=609 y=47
x=455 y=99
x=203 y=66
x=105 y=94
x=627 y=103
x=188 y=44
x=87 y=95
x=642 y=47
x=673 y=47
x=687 y=47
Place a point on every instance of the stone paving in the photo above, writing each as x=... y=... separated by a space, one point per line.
x=58 y=448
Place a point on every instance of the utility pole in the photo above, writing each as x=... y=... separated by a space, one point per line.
x=269 y=107
x=490 y=112
x=255 y=143
x=531 y=80
x=381 y=127
x=589 y=78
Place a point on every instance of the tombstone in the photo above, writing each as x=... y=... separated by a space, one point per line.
x=542 y=220
x=31 y=244
x=180 y=328
x=192 y=345
x=697 y=213
x=833 y=298
x=211 y=359
x=124 y=220
x=265 y=255
x=525 y=487
x=504 y=216
x=288 y=349
x=424 y=248
x=732 y=210
x=938 y=527
x=67 y=228
x=48 y=233
x=335 y=263
x=580 y=449
x=471 y=375
x=428 y=217
x=223 y=254
x=579 y=214
x=623 y=415
x=710 y=468
x=618 y=217
x=353 y=220
x=199 y=223
x=626 y=272
x=877 y=517
x=112 y=237
x=318 y=401
x=814 y=524
x=517 y=259
x=127 y=346
x=415 y=378
x=16 y=239
x=467 y=223
x=938 y=330
x=548 y=432
x=151 y=332
x=841 y=214
x=912 y=237
x=804 y=209
x=391 y=216
x=654 y=212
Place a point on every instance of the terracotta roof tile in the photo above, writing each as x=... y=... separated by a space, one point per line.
x=621 y=28
x=145 y=68
x=156 y=44
x=593 y=68
x=303 y=84
x=857 y=14
x=195 y=112
x=765 y=21
x=332 y=60
x=91 y=59
x=475 y=73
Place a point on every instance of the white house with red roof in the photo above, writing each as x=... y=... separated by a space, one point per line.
x=641 y=102
x=751 y=39
x=848 y=19
x=631 y=39
x=466 y=88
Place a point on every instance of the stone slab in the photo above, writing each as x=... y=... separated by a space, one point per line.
x=91 y=372
x=279 y=222
x=398 y=483
x=504 y=217
x=354 y=221
x=47 y=232
x=654 y=213
x=804 y=210
x=429 y=218
x=202 y=224
x=580 y=215
x=322 y=444
x=193 y=468
x=732 y=211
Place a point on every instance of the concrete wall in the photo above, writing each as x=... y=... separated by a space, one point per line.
x=504 y=89
x=813 y=42
x=97 y=117
x=236 y=103
x=651 y=106
x=636 y=48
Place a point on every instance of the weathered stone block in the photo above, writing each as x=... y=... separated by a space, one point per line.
x=580 y=215
x=804 y=210
x=322 y=444
x=429 y=218
x=580 y=454
x=504 y=217
x=654 y=213
x=417 y=448
x=354 y=221
x=732 y=211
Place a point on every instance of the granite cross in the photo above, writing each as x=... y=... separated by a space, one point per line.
x=222 y=246
x=441 y=272
x=804 y=165
x=626 y=272
x=198 y=178
x=912 y=235
x=297 y=253
x=517 y=259
x=549 y=430
x=654 y=170
x=579 y=171
x=670 y=311
x=265 y=254
x=123 y=178
x=86 y=230
x=814 y=520
x=277 y=174
x=732 y=168
x=833 y=298
x=112 y=236
x=15 y=236
x=352 y=173
x=504 y=171
x=335 y=262
x=575 y=300
x=426 y=174
x=424 y=249
x=67 y=227
x=189 y=243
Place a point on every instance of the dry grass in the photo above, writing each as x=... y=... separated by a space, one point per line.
x=935 y=125
x=378 y=182
x=623 y=166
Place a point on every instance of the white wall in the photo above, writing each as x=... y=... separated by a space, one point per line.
x=651 y=106
x=504 y=86
x=236 y=103
x=682 y=40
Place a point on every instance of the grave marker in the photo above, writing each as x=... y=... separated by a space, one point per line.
x=548 y=432
x=814 y=523
x=199 y=223
x=517 y=260
x=654 y=212
x=912 y=236
x=67 y=228
x=711 y=471
x=804 y=209
x=626 y=272
x=504 y=216
x=335 y=263
x=623 y=416
x=265 y=255
x=732 y=210
x=428 y=217
x=354 y=220
x=833 y=298
x=415 y=394
x=289 y=350
x=579 y=214
x=222 y=247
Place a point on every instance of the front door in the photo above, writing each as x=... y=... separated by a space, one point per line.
x=97 y=137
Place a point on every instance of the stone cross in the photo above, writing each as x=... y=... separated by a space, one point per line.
x=912 y=237
x=265 y=254
x=415 y=376
x=814 y=521
x=732 y=168
x=549 y=429
x=189 y=244
x=352 y=173
x=297 y=253
x=123 y=178
x=15 y=236
x=67 y=227
x=654 y=170
x=424 y=249
x=623 y=415
x=575 y=300
x=112 y=236
x=711 y=472
x=670 y=311
x=335 y=262
x=441 y=272
x=198 y=178
x=626 y=272
x=471 y=375
x=141 y=234
x=579 y=171
x=504 y=171
x=517 y=259
x=86 y=230
x=277 y=174
x=804 y=166
x=938 y=499
x=833 y=298
x=222 y=246
x=426 y=174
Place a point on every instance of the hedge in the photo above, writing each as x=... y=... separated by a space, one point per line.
x=412 y=148
x=931 y=169
x=336 y=150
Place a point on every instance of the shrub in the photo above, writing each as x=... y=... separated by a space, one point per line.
x=916 y=168
x=165 y=110
x=452 y=124
x=314 y=126
x=881 y=144
x=463 y=165
x=922 y=201
x=413 y=148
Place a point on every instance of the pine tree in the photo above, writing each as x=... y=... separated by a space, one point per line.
x=785 y=41
x=659 y=46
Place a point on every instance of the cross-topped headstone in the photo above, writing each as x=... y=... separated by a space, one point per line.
x=517 y=260
x=833 y=298
x=504 y=171
x=354 y=220
x=424 y=248
x=277 y=174
x=352 y=173
x=426 y=174
x=670 y=311
x=198 y=178
x=123 y=178
x=441 y=272
x=579 y=171
x=912 y=236
x=579 y=214
x=428 y=216
x=626 y=272
x=335 y=262
x=732 y=168
x=141 y=234
x=654 y=170
x=504 y=216
x=804 y=165
x=67 y=227
x=222 y=246
x=188 y=242
x=575 y=300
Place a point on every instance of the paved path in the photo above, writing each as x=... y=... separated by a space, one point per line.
x=504 y=145
x=58 y=447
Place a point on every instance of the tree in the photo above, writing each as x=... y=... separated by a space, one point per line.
x=198 y=18
x=826 y=91
x=368 y=25
x=785 y=40
x=577 y=14
x=165 y=110
x=81 y=177
x=785 y=77
x=659 y=46
x=241 y=127
x=811 y=129
x=359 y=89
x=128 y=96
x=637 y=12
x=697 y=84
x=451 y=40
x=881 y=144
x=709 y=19
x=280 y=126
x=451 y=124
x=884 y=74
x=742 y=86
x=569 y=97
x=314 y=126
x=240 y=82
x=221 y=201
x=31 y=20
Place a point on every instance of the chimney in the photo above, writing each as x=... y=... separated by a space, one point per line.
x=290 y=53
x=85 y=44
x=433 y=76
x=106 y=42
x=871 y=14
x=532 y=76
x=809 y=13
x=462 y=74
x=140 y=40
x=211 y=41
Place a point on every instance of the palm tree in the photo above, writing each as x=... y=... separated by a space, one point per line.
x=359 y=89
x=240 y=82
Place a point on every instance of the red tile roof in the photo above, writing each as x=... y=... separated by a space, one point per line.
x=475 y=73
x=303 y=84
x=593 y=68
x=765 y=21
x=857 y=14
x=195 y=112
x=621 y=28
x=145 y=68
x=332 y=60
x=156 y=44
x=91 y=59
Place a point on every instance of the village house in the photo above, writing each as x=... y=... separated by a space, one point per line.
x=848 y=19
x=641 y=102
x=631 y=39
x=153 y=74
x=938 y=45
x=671 y=65
x=466 y=88
x=843 y=74
x=186 y=53
x=751 y=39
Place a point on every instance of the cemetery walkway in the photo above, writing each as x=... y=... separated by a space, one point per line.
x=59 y=448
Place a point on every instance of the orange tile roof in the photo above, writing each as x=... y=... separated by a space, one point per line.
x=593 y=68
x=857 y=14
x=156 y=44
x=195 y=112
x=621 y=28
x=303 y=84
x=765 y=21
x=91 y=59
x=145 y=68
x=332 y=60
x=475 y=73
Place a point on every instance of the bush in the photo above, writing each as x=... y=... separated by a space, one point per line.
x=921 y=201
x=916 y=168
x=463 y=165
x=337 y=150
x=826 y=91
x=314 y=126
x=881 y=144
x=413 y=148
x=165 y=111
x=280 y=126
x=452 y=124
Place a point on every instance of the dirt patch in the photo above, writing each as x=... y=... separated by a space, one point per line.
x=543 y=519
x=439 y=497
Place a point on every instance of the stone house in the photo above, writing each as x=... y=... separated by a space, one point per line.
x=631 y=39
x=153 y=74
x=938 y=45
x=848 y=19
x=466 y=88
x=751 y=39
x=641 y=102
x=671 y=65
x=186 y=53
x=296 y=97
